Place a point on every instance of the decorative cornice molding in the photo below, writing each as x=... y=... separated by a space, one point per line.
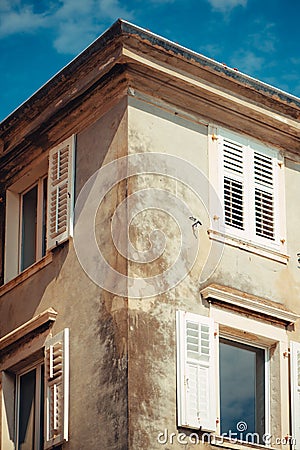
x=48 y=316
x=216 y=293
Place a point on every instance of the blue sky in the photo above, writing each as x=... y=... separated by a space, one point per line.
x=39 y=37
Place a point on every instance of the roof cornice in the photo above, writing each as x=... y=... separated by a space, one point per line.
x=248 y=303
x=116 y=47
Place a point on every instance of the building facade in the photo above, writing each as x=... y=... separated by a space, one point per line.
x=150 y=279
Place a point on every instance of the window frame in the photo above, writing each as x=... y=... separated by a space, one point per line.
x=47 y=351
x=231 y=337
x=231 y=324
x=60 y=200
x=39 y=379
x=41 y=213
x=247 y=238
x=260 y=333
x=13 y=222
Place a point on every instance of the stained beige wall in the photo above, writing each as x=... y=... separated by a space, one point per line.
x=152 y=340
x=98 y=372
x=152 y=347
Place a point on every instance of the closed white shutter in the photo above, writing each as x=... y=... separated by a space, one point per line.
x=195 y=372
x=295 y=392
x=60 y=193
x=233 y=166
x=264 y=195
x=57 y=389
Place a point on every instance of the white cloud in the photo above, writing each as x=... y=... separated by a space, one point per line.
x=15 y=20
x=80 y=22
x=264 y=39
x=73 y=37
x=112 y=9
x=248 y=62
x=226 y=5
x=75 y=23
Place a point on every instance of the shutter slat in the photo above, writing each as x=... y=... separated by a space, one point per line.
x=264 y=214
x=263 y=169
x=233 y=157
x=233 y=202
x=233 y=163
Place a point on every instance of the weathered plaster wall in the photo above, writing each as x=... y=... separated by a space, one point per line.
x=152 y=357
x=152 y=349
x=98 y=324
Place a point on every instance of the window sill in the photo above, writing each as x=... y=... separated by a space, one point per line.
x=235 y=444
x=249 y=246
x=26 y=274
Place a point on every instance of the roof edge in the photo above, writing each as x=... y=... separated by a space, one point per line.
x=123 y=27
x=210 y=63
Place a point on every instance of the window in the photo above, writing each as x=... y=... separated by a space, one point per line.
x=30 y=409
x=39 y=209
x=242 y=386
x=35 y=396
x=33 y=204
x=226 y=366
x=249 y=180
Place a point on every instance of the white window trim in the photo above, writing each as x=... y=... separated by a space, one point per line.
x=264 y=334
x=248 y=246
x=234 y=237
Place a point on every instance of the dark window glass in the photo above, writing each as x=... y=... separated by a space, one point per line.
x=242 y=388
x=29 y=220
x=27 y=411
x=30 y=415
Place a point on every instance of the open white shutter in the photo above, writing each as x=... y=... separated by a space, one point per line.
x=57 y=389
x=60 y=193
x=195 y=372
x=295 y=392
x=233 y=167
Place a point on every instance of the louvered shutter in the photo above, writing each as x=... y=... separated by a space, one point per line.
x=60 y=193
x=295 y=392
x=233 y=167
x=264 y=195
x=195 y=372
x=57 y=389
